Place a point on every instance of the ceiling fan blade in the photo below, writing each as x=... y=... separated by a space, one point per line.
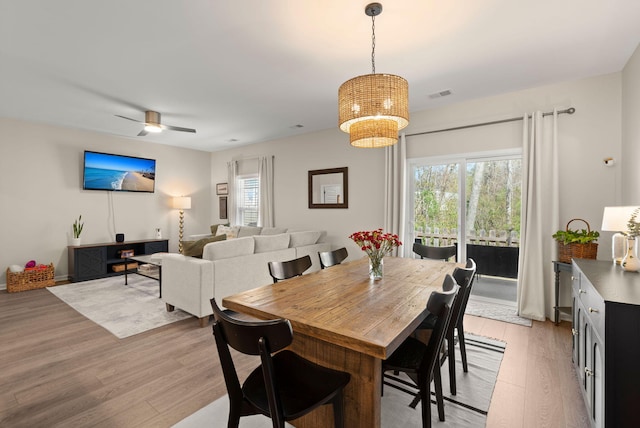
x=177 y=128
x=128 y=118
x=142 y=133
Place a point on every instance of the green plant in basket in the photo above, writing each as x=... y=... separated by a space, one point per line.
x=578 y=243
x=581 y=236
x=77 y=227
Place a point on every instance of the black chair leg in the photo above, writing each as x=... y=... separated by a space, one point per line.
x=463 y=348
x=451 y=355
x=338 y=410
x=452 y=367
x=437 y=381
x=234 y=416
x=425 y=397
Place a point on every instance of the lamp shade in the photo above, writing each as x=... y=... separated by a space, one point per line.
x=182 y=202
x=372 y=109
x=615 y=219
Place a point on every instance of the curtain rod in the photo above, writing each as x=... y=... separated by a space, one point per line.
x=252 y=158
x=570 y=110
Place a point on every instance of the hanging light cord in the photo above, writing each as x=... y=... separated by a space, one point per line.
x=373 y=44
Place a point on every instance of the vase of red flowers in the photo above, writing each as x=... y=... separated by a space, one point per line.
x=376 y=244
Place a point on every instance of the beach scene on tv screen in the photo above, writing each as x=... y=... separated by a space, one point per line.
x=113 y=172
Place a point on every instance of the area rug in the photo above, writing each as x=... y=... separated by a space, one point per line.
x=468 y=408
x=488 y=308
x=124 y=310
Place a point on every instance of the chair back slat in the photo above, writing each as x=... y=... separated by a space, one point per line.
x=332 y=258
x=243 y=336
x=288 y=269
x=435 y=253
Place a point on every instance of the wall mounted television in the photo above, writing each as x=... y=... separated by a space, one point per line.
x=104 y=171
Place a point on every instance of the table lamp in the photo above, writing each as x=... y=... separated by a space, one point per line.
x=181 y=203
x=615 y=219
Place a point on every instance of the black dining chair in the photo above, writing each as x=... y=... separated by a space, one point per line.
x=284 y=270
x=420 y=361
x=436 y=253
x=332 y=258
x=285 y=386
x=464 y=278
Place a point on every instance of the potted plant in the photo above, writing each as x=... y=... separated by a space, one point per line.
x=77 y=230
x=579 y=243
x=630 y=261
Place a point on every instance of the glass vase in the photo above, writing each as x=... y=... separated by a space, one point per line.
x=376 y=267
x=630 y=262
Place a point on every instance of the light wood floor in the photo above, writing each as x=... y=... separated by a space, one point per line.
x=58 y=369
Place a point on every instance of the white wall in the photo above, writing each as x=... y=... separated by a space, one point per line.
x=586 y=138
x=631 y=131
x=41 y=193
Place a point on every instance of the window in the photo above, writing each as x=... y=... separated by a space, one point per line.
x=248 y=197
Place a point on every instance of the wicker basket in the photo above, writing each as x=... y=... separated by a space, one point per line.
x=120 y=267
x=30 y=280
x=575 y=250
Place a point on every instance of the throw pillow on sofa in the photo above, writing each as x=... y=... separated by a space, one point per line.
x=248 y=231
x=214 y=228
x=230 y=231
x=269 y=243
x=194 y=248
x=300 y=239
x=273 y=230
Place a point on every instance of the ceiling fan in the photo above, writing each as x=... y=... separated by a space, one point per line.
x=152 y=124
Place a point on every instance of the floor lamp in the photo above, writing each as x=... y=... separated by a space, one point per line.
x=181 y=203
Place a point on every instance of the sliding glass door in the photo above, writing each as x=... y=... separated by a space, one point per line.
x=478 y=194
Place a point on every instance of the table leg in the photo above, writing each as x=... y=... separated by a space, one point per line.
x=125 y=271
x=556 y=314
x=362 y=402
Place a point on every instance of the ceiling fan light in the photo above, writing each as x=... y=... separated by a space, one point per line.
x=152 y=127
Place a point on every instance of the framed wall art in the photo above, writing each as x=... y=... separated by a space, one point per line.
x=222 y=189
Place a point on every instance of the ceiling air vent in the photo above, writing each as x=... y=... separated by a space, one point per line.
x=440 y=94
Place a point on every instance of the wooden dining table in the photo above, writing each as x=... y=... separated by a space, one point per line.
x=343 y=320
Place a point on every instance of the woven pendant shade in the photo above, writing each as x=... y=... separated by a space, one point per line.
x=374 y=133
x=373 y=108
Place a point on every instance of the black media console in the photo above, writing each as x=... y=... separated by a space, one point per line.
x=93 y=261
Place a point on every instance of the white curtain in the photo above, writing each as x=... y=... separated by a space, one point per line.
x=539 y=216
x=265 y=174
x=394 y=178
x=232 y=173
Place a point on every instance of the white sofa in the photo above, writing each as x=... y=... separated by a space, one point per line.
x=233 y=265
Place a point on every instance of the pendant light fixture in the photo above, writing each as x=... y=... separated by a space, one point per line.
x=372 y=108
